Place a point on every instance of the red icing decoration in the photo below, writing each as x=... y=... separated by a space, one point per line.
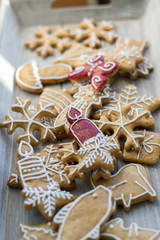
x=96 y=70
x=81 y=129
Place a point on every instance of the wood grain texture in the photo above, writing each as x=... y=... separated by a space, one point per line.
x=13 y=53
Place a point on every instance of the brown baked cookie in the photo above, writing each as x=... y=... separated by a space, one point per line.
x=96 y=150
x=128 y=53
x=40 y=190
x=27 y=77
x=60 y=98
x=129 y=95
x=30 y=121
x=13 y=181
x=121 y=122
x=54 y=167
x=130 y=185
x=74 y=218
x=149 y=150
x=91 y=33
x=43 y=231
x=68 y=151
x=115 y=230
x=76 y=55
x=30 y=78
x=44 y=41
x=143 y=69
x=86 y=99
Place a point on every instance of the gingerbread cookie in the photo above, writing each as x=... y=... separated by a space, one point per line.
x=76 y=55
x=86 y=99
x=143 y=69
x=43 y=231
x=30 y=78
x=60 y=98
x=115 y=230
x=149 y=150
x=130 y=185
x=68 y=151
x=13 y=181
x=53 y=165
x=40 y=190
x=129 y=96
x=27 y=78
x=44 y=41
x=96 y=70
x=30 y=121
x=96 y=150
x=128 y=53
x=92 y=33
x=121 y=123
x=79 y=214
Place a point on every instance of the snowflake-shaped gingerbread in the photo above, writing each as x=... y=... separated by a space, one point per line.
x=92 y=33
x=96 y=70
x=121 y=124
x=30 y=121
x=129 y=95
x=44 y=41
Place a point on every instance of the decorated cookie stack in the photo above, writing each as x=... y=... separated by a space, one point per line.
x=96 y=119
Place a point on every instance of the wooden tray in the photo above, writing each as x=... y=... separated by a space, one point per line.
x=137 y=19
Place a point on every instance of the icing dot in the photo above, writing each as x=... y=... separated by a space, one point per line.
x=100 y=62
x=24 y=170
x=94 y=195
x=38 y=168
x=111 y=226
x=49 y=223
x=33 y=169
x=122 y=60
x=62 y=166
x=29 y=170
x=129 y=63
x=89 y=74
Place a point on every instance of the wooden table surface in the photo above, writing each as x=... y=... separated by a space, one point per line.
x=13 y=53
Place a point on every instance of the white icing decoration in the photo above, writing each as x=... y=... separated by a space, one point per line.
x=139 y=113
x=98 y=146
x=150 y=192
x=14 y=178
x=83 y=102
x=73 y=55
x=77 y=70
x=125 y=54
x=132 y=230
x=56 y=77
x=64 y=213
x=48 y=196
x=30 y=120
x=95 y=79
x=56 y=98
x=146 y=145
x=128 y=96
x=25 y=229
x=37 y=84
x=143 y=68
x=108 y=66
